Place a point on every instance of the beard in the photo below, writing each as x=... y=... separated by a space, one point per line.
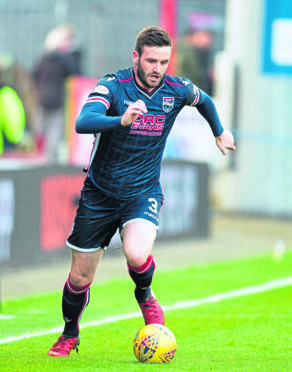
x=143 y=77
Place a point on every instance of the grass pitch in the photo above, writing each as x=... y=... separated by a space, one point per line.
x=245 y=333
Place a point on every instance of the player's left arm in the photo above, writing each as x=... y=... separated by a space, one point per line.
x=206 y=107
x=225 y=142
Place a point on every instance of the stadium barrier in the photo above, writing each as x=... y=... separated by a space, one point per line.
x=38 y=204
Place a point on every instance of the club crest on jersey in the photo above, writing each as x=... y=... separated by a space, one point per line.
x=167 y=103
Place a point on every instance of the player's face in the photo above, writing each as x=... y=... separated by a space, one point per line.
x=151 y=66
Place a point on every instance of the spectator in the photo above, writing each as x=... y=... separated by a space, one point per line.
x=195 y=58
x=14 y=75
x=61 y=60
x=12 y=117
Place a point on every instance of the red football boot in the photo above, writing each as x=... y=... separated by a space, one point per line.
x=63 y=346
x=152 y=311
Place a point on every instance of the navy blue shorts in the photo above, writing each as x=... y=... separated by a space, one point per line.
x=99 y=216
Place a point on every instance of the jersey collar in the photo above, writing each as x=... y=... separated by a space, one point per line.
x=145 y=91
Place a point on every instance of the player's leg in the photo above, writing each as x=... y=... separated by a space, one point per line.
x=138 y=239
x=76 y=294
x=93 y=229
x=77 y=289
x=140 y=223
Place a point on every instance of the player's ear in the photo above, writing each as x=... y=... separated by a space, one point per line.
x=135 y=57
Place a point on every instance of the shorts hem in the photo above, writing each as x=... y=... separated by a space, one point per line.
x=143 y=219
x=84 y=249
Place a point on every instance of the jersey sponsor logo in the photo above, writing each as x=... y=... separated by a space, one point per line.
x=148 y=125
x=167 y=103
x=101 y=89
x=128 y=103
x=151 y=215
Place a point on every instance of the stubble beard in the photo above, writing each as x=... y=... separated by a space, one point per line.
x=142 y=77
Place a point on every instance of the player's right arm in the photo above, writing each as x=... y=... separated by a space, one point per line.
x=134 y=110
x=93 y=118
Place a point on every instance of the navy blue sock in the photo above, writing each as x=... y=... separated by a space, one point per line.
x=142 y=277
x=74 y=301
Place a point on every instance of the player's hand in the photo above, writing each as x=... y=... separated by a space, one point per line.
x=225 y=142
x=134 y=110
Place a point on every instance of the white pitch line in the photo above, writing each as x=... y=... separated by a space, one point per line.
x=274 y=284
x=2 y=316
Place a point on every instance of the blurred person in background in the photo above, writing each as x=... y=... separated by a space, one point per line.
x=14 y=75
x=195 y=58
x=12 y=118
x=133 y=111
x=61 y=59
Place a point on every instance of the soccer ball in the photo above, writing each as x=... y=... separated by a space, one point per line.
x=154 y=343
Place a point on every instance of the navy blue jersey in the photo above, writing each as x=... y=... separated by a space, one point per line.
x=126 y=160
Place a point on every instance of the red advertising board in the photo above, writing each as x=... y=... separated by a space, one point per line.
x=59 y=198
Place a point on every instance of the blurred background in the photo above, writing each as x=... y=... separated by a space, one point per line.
x=51 y=55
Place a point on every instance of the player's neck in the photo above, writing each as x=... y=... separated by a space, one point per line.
x=139 y=82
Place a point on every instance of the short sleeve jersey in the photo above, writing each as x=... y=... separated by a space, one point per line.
x=126 y=160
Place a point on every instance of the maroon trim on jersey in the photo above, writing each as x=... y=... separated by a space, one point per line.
x=98 y=99
x=126 y=81
x=169 y=82
x=162 y=201
x=196 y=99
x=148 y=93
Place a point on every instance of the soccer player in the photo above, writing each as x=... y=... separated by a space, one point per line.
x=131 y=113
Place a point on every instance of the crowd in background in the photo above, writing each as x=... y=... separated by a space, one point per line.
x=32 y=103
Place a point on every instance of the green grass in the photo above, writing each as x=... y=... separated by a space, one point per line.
x=249 y=333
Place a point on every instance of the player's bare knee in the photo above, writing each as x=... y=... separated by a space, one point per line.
x=80 y=278
x=136 y=258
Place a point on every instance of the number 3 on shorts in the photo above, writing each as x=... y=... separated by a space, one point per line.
x=153 y=206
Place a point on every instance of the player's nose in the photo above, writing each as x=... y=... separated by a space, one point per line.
x=157 y=68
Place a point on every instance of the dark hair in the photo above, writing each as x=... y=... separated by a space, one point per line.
x=152 y=36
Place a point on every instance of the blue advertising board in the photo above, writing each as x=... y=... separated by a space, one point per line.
x=277 y=37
